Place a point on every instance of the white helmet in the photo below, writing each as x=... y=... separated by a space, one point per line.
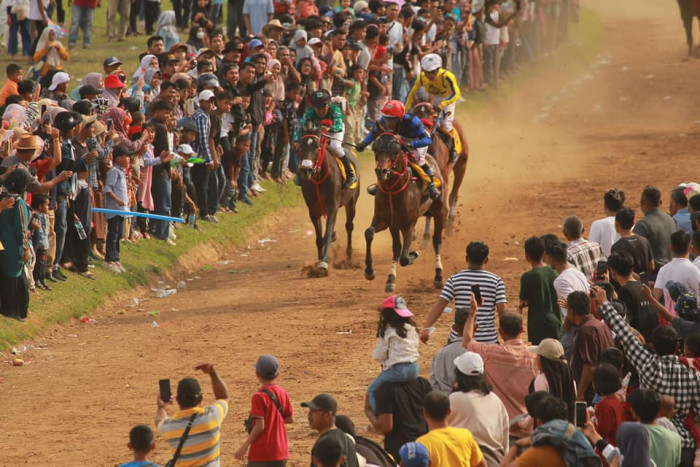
x=431 y=62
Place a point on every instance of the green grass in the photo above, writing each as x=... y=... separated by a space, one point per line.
x=144 y=262
x=586 y=38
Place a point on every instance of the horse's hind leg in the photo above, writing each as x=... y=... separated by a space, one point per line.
x=459 y=170
x=426 y=232
x=349 y=226
x=437 y=243
x=396 y=248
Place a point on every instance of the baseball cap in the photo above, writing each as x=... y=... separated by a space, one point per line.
x=360 y=5
x=177 y=46
x=267 y=366
x=113 y=82
x=314 y=41
x=551 y=349
x=205 y=95
x=64 y=121
x=431 y=62
x=470 y=364
x=84 y=107
x=322 y=403
x=88 y=90
x=255 y=43
x=203 y=51
x=111 y=61
x=414 y=455
x=123 y=150
x=58 y=79
x=208 y=79
x=186 y=124
x=186 y=149
x=398 y=304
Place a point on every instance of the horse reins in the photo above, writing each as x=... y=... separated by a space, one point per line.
x=317 y=168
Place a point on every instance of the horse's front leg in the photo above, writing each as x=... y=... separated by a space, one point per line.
x=396 y=247
x=327 y=240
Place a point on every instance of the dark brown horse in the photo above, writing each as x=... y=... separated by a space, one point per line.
x=426 y=112
x=689 y=9
x=398 y=204
x=322 y=187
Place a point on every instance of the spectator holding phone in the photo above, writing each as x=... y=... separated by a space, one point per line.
x=204 y=421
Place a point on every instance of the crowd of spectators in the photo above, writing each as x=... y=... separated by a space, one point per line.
x=612 y=319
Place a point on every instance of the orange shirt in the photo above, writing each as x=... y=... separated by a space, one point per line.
x=10 y=88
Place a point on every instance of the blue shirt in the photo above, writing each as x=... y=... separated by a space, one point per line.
x=116 y=183
x=139 y=464
x=682 y=216
x=410 y=127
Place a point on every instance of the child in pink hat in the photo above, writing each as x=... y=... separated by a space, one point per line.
x=397 y=346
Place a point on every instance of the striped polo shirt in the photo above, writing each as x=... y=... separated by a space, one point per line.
x=202 y=446
x=457 y=289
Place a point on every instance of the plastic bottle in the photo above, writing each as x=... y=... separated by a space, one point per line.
x=79 y=227
x=190 y=220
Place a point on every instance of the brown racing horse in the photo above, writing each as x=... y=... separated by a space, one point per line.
x=398 y=204
x=689 y=9
x=322 y=187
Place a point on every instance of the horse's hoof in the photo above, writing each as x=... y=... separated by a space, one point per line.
x=404 y=261
x=370 y=276
x=390 y=287
x=322 y=265
x=438 y=284
x=413 y=255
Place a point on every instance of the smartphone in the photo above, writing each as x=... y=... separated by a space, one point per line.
x=644 y=278
x=580 y=414
x=601 y=269
x=476 y=290
x=109 y=124
x=164 y=386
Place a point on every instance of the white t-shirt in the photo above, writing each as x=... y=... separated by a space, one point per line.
x=679 y=270
x=34 y=13
x=570 y=280
x=485 y=416
x=493 y=34
x=603 y=233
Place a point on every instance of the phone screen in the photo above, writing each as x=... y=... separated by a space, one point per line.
x=476 y=290
x=164 y=387
x=602 y=268
x=109 y=124
x=580 y=414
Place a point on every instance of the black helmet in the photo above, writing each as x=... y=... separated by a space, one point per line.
x=320 y=98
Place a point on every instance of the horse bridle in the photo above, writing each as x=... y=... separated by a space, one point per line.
x=320 y=159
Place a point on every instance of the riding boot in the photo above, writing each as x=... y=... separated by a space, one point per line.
x=450 y=143
x=351 y=178
x=432 y=189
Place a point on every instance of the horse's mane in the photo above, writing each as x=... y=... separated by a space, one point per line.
x=387 y=144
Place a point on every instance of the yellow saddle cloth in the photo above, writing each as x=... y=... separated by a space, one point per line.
x=424 y=176
x=339 y=161
x=457 y=140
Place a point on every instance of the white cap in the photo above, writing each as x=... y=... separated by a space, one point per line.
x=470 y=364
x=431 y=62
x=314 y=41
x=186 y=149
x=59 y=78
x=205 y=95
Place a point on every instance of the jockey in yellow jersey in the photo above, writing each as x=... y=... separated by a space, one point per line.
x=443 y=85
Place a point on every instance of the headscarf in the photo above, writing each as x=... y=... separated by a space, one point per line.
x=145 y=64
x=118 y=117
x=93 y=79
x=167 y=18
x=52 y=57
x=15 y=115
x=302 y=52
x=276 y=87
x=633 y=442
x=148 y=77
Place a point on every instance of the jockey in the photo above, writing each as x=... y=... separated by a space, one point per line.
x=414 y=135
x=322 y=109
x=442 y=84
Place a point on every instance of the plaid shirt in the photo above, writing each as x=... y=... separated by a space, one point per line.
x=664 y=374
x=201 y=143
x=584 y=255
x=94 y=166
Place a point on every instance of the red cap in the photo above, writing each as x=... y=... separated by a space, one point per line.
x=113 y=82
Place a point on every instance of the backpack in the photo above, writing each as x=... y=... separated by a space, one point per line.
x=569 y=441
x=374 y=452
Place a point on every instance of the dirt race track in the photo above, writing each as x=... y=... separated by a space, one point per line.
x=628 y=118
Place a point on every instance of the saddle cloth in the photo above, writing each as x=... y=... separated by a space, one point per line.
x=342 y=170
x=420 y=173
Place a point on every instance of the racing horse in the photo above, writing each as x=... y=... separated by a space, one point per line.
x=426 y=112
x=689 y=9
x=321 y=179
x=398 y=204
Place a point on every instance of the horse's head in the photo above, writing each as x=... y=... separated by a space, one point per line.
x=387 y=153
x=424 y=110
x=309 y=151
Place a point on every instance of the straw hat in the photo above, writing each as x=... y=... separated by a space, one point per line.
x=27 y=142
x=275 y=23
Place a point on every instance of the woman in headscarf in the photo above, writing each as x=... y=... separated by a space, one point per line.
x=167 y=29
x=555 y=375
x=150 y=88
x=299 y=45
x=14 y=236
x=196 y=39
x=474 y=406
x=633 y=442
x=148 y=61
x=120 y=123
x=50 y=53
x=93 y=79
x=275 y=83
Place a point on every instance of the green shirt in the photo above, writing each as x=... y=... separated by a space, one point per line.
x=335 y=115
x=354 y=93
x=664 y=446
x=543 y=316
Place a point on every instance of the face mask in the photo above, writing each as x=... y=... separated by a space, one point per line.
x=200 y=35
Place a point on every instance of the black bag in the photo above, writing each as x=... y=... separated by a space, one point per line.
x=248 y=422
x=171 y=462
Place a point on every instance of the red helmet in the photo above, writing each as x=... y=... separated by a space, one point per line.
x=393 y=109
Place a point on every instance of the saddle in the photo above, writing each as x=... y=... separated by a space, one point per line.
x=342 y=170
x=422 y=176
x=428 y=123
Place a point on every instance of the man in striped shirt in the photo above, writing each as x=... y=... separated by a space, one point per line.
x=202 y=445
x=458 y=288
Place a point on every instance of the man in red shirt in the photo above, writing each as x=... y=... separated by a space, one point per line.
x=270 y=410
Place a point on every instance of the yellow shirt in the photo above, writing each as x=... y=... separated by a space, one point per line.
x=444 y=85
x=451 y=447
